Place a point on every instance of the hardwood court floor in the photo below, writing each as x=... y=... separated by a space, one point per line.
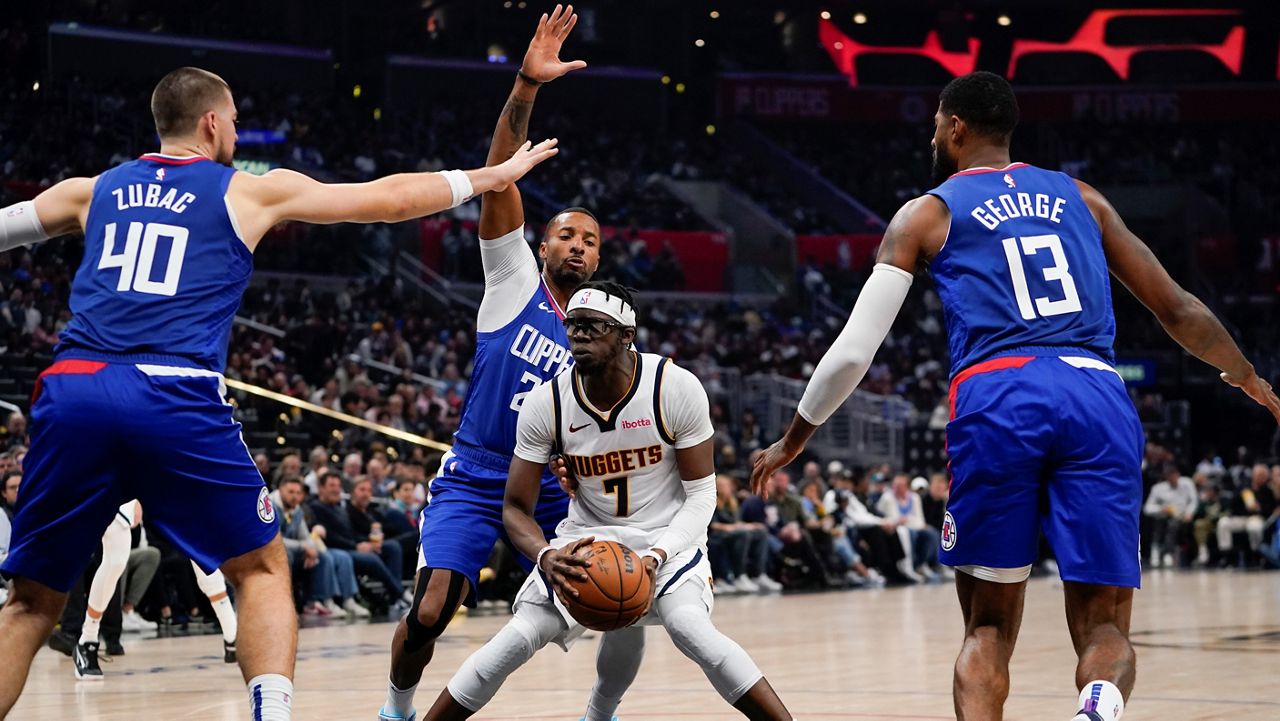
x=1209 y=648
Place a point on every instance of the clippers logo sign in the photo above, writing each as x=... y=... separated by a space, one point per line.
x=1090 y=38
x=948 y=532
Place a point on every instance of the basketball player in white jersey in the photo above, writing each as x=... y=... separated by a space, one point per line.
x=635 y=430
x=116 y=542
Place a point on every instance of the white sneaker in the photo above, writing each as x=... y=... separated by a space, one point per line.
x=721 y=587
x=928 y=573
x=948 y=573
x=132 y=622
x=335 y=611
x=746 y=585
x=355 y=609
x=904 y=567
x=854 y=580
x=1168 y=561
x=767 y=584
x=875 y=578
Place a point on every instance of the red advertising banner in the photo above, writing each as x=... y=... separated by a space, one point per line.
x=858 y=248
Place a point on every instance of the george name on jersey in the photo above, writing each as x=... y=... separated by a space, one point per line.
x=539 y=350
x=150 y=195
x=994 y=211
x=614 y=462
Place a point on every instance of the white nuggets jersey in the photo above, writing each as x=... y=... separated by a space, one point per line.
x=624 y=457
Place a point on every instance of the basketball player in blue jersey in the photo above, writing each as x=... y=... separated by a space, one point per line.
x=520 y=342
x=133 y=404
x=1042 y=434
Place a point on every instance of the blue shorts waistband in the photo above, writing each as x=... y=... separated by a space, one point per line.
x=130 y=358
x=495 y=461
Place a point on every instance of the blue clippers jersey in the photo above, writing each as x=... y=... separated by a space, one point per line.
x=509 y=363
x=1022 y=265
x=164 y=267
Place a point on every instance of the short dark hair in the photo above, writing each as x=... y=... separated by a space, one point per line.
x=984 y=101
x=182 y=97
x=289 y=479
x=616 y=290
x=403 y=481
x=324 y=477
x=577 y=209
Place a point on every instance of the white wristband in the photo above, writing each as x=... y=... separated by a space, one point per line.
x=653 y=553
x=19 y=225
x=538 y=561
x=459 y=185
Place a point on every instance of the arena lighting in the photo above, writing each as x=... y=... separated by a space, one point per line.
x=845 y=51
x=1004 y=21
x=329 y=412
x=826 y=15
x=666 y=79
x=715 y=14
x=1091 y=38
x=699 y=42
x=355 y=92
x=679 y=87
x=860 y=18
x=711 y=130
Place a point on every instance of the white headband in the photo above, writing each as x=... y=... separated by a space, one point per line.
x=598 y=300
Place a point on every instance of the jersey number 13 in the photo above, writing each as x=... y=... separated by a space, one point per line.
x=1014 y=249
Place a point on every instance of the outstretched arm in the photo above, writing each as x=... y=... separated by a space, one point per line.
x=501 y=211
x=915 y=231
x=1185 y=318
x=261 y=202
x=59 y=210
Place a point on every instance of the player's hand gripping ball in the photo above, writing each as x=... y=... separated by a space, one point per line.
x=617 y=590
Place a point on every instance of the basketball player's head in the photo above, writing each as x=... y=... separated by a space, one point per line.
x=974 y=111
x=194 y=107
x=570 y=247
x=601 y=323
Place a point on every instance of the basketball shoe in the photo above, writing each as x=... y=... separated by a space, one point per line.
x=86 y=659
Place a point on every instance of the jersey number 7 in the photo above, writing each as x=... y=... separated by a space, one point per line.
x=618 y=487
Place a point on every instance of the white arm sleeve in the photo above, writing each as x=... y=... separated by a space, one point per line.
x=510 y=275
x=535 y=427
x=691 y=521
x=686 y=412
x=849 y=357
x=19 y=225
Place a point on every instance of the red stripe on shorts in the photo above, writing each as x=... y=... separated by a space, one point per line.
x=995 y=364
x=65 y=368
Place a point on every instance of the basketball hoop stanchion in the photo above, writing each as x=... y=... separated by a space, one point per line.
x=337 y=415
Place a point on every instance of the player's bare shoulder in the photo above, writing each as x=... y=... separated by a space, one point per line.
x=917 y=232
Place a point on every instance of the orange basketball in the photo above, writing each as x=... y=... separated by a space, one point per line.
x=615 y=591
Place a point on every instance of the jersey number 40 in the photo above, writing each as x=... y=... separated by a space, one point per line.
x=1030 y=245
x=136 y=259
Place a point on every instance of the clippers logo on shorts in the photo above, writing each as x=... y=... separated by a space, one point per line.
x=266 y=511
x=948 y=532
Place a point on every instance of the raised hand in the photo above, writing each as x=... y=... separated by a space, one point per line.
x=767 y=463
x=542 y=59
x=515 y=167
x=1259 y=390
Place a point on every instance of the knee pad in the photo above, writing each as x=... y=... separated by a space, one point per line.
x=420 y=635
x=731 y=671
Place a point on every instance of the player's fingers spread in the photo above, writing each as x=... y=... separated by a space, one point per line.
x=568 y=27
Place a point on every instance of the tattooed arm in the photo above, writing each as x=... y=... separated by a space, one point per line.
x=502 y=212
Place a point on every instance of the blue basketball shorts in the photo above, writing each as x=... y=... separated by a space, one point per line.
x=103 y=433
x=1044 y=443
x=463 y=517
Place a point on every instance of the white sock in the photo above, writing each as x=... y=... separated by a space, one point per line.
x=270 y=697
x=1103 y=698
x=89 y=631
x=399 y=703
x=226 y=614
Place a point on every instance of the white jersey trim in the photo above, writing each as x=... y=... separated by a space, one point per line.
x=1087 y=362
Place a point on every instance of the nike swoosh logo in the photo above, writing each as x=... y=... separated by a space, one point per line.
x=543 y=306
x=575 y=429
